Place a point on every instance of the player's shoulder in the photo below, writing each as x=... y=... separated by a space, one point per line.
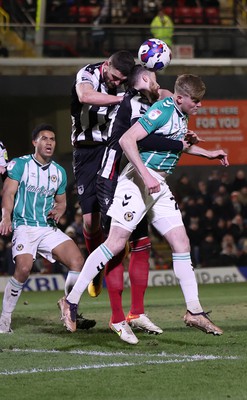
x=58 y=166
x=90 y=68
x=167 y=102
x=164 y=106
x=19 y=162
x=89 y=74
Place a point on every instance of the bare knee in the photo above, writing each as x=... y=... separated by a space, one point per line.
x=22 y=271
x=178 y=240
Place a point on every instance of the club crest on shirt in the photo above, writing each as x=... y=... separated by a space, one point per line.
x=128 y=216
x=19 y=247
x=54 y=178
x=154 y=114
x=80 y=189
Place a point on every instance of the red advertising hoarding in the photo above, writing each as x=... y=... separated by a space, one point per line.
x=223 y=125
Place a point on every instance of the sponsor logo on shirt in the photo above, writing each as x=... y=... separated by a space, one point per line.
x=154 y=114
x=11 y=165
x=41 y=190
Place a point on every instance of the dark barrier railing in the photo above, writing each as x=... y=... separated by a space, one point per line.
x=87 y=40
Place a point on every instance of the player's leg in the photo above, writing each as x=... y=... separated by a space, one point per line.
x=55 y=245
x=87 y=162
x=114 y=268
x=95 y=262
x=138 y=273
x=23 y=252
x=170 y=226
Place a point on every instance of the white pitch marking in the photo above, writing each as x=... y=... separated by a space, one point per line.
x=97 y=366
x=121 y=354
x=177 y=359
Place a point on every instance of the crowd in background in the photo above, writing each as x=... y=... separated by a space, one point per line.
x=214 y=212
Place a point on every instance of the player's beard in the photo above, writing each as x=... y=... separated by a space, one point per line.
x=154 y=95
x=108 y=82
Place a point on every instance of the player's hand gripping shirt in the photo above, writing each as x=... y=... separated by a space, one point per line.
x=38 y=185
x=163 y=118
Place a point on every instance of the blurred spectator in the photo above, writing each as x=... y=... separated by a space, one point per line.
x=184 y=188
x=213 y=182
x=222 y=208
x=189 y=210
x=98 y=37
x=235 y=203
x=57 y=11
x=162 y=27
x=220 y=229
x=209 y=221
x=201 y=206
x=243 y=200
x=228 y=255
x=226 y=181
x=242 y=258
x=239 y=181
x=77 y=225
x=195 y=233
x=201 y=191
x=209 y=251
x=237 y=228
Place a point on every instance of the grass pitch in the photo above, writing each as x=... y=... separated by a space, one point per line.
x=41 y=360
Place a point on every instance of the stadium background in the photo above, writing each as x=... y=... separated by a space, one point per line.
x=36 y=89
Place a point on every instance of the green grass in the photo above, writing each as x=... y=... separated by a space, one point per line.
x=41 y=360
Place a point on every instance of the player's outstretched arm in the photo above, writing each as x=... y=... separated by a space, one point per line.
x=210 y=154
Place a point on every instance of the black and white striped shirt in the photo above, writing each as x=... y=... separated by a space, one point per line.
x=90 y=123
x=132 y=107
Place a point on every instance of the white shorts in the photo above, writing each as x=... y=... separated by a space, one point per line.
x=33 y=240
x=132 y=201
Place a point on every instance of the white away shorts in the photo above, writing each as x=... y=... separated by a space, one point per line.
x=33 y=240
x=132 y=201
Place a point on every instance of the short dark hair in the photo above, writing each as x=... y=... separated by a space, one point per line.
x=123 y=61
x=136 y=71
x=40 y=128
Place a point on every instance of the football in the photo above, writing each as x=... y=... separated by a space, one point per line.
x=154 y=54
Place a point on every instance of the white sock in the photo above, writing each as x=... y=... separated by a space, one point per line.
x=70 y=281
x=12 y=293
x=95 y=262
x=185 y=274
